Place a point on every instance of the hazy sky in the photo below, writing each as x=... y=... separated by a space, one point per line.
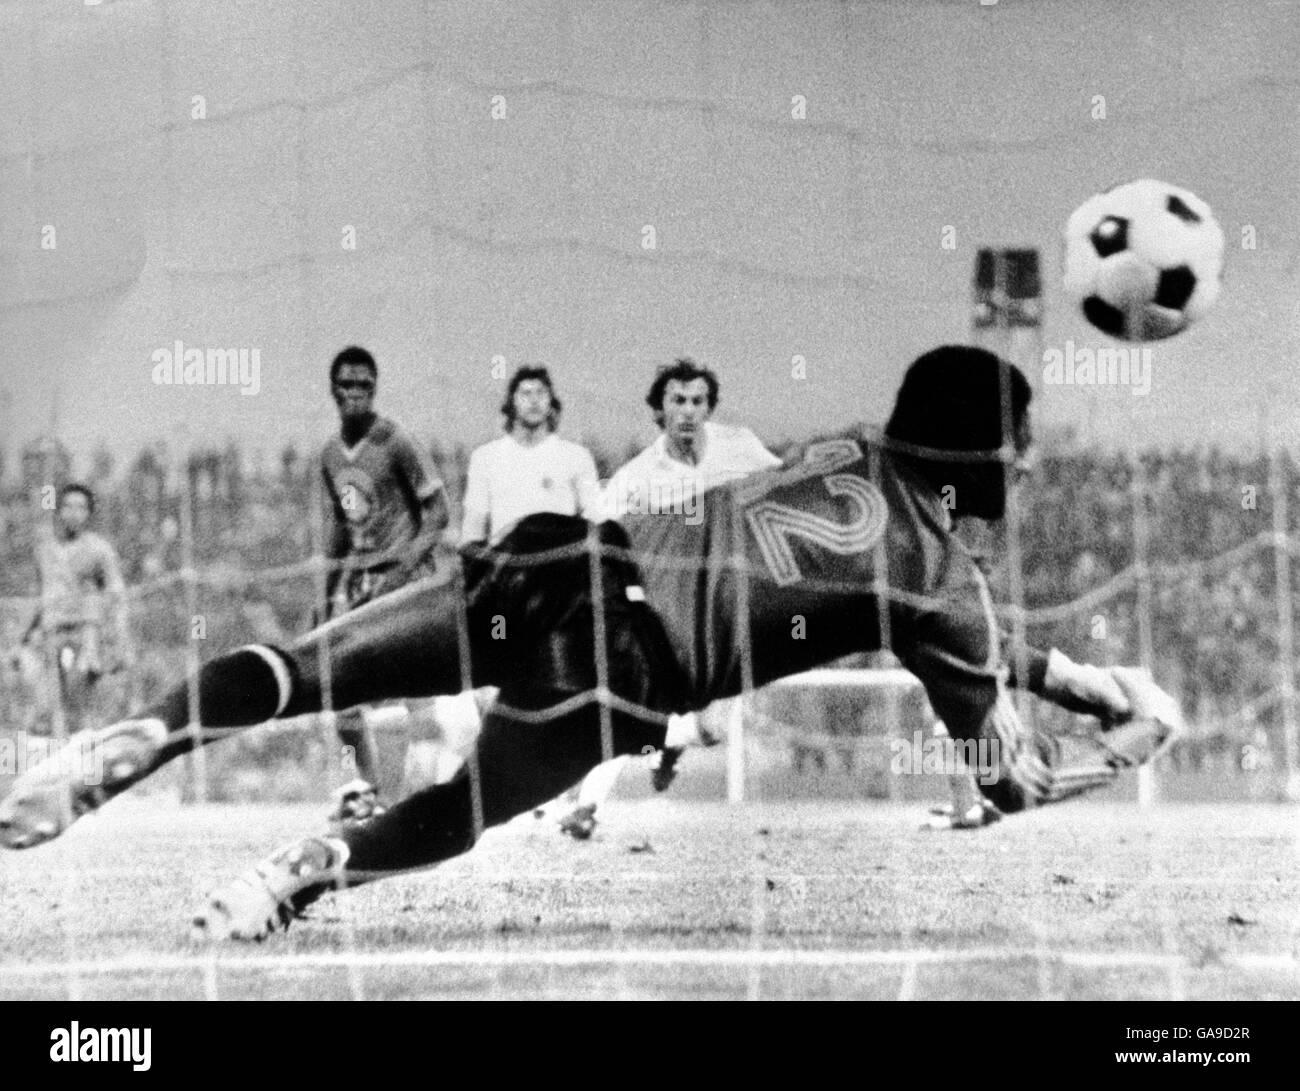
x=523 y=236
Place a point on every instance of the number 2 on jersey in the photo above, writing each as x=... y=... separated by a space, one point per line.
x=774 y=525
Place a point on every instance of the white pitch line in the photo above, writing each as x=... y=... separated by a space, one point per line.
x=1145 y=880
x=907 y=990
x=747 y=958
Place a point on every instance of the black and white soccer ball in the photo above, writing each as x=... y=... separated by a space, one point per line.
x=1143 y=261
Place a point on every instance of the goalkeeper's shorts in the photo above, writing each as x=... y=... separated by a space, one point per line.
x=541 y=580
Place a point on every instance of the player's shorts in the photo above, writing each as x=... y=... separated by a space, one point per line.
x=75 y=659
x=359 y=586
x=541 y=580
x=76 y=649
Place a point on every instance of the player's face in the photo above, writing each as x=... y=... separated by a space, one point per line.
x=354 y=390
x=686 y=408
x=74 y=513
x=532 y=399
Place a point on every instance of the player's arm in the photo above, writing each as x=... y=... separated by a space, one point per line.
x=34 y=626
x=1055 y=677
x=1014 y=767
x=435 y=513
x=423 y=482
x=33 y=629
x=337 y=539
x=15 y=656
x=434 y=517
x=1023 y=776
x=755 y=454
x=586 y=488
x=966 y=688
x=613 y=499
x=1033 y=768
x=627 y=490
x=957 y=654
x=1076 y=687
x=478 y=502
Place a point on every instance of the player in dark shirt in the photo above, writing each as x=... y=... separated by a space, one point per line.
x=384 y=508
x=385 y=503
x=599 y=637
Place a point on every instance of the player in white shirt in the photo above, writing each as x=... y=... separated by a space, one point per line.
x=530 y=469
x=692 y=454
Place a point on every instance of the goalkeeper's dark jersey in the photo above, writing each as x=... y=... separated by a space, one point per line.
x=798 y=564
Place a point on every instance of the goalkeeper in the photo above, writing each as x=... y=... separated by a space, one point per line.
x=601 y=637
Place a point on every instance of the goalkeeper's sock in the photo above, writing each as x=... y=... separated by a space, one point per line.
x=355 y=734
x=961 y=781
x=244 y=687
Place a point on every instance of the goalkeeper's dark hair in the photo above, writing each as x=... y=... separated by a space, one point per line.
x=951 y=399
x=353 y=354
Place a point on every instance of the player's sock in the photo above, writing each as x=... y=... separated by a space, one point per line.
x=518 y=767
x=354 y=732
x=665 y=769
x=244 y=687
x=434 y=824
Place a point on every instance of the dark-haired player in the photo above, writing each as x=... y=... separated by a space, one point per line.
x=384 y=509
x=612 y=632
x=530 y=469
x=81 y=619
x=692 y=454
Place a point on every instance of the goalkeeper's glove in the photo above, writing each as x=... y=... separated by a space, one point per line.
x=1147 y=701
x=1081 y=687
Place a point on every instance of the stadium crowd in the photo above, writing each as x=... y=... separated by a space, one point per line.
x=1214 y=626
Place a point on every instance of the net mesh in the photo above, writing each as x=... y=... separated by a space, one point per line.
x=852 y=715
x=237 y=566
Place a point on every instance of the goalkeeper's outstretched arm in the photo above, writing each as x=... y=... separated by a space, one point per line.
x=1138 y=720
x=1077 y=687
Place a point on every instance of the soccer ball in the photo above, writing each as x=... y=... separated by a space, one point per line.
x=1143 y=260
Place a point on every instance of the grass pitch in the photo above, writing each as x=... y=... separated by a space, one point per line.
x=686 y=899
